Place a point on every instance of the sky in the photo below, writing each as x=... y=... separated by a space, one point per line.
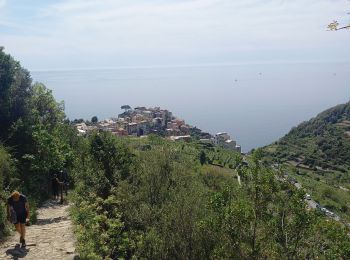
x=74 y=34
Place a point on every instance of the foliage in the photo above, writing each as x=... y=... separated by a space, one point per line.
x=169 y=205
x=6 y=178
x=125 y=107
x=202 y=157
x=197 y=134
x=94 y=119
x=321 y=141
x=15 y=91
x=335 y=26
x=34 y=131
x=319 y=148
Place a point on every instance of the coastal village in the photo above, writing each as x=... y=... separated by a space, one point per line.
x=142 y=121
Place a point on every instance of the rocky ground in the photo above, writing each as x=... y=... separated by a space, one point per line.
x=50 y=238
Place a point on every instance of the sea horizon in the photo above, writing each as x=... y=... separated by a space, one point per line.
x=229 y=98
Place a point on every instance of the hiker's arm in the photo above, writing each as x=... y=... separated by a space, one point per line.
x=27 y=209
x=59 y=182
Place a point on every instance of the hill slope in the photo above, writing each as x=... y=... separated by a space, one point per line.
x=322 y=142
x=317 y=155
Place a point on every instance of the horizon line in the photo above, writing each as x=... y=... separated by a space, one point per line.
x=221 y=64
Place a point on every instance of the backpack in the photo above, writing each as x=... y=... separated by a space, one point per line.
x=13 y=216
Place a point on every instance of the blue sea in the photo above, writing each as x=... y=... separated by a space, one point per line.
x=255 y=103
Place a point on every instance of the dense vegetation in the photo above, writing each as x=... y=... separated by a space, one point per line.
x=152 y=198
x=162 y=203
x=5 y=172
x=323 y=141
x=35 y=141
x=317 y=153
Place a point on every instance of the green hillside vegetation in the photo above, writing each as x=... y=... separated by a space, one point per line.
x=322 y=142
x=35 y=138
x=162 y=203
x=317 y=154
x=6 y=170
x=152 y=198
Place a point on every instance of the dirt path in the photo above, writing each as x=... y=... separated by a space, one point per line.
x=50 y=238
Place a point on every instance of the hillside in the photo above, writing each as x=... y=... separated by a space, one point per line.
x=322 y=142
x=317 y=154
x=156 y=199
x=151 y=198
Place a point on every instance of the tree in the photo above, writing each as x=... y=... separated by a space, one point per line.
x=202 y=157
x=334 y=26
x=6 y=179
x=94 y=119
x=15 y=92
x=34 y=127
x=45 y=109
x=125 y=107
x=47 y=147
x=114 y=158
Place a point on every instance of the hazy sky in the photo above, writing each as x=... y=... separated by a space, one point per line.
x=55 y=34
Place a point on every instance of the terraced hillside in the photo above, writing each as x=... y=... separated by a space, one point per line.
x=317 y=154
x=320 y=143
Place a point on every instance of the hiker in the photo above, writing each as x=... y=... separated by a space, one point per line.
x=55 y=186
x=64 y=179
x=18 y=214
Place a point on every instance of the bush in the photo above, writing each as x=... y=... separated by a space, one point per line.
x=6 y=174
x=166 y=205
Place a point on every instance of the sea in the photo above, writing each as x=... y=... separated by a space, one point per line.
x=256 y=103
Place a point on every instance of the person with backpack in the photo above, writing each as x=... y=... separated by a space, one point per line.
x=18 y=214
x=65 y=181
x=55 y=182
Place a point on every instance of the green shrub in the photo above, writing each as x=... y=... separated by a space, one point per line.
x=163 y=204
x=6 y=174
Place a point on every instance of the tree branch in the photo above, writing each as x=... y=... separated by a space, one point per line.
x=344 y=27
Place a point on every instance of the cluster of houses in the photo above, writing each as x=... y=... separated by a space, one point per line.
x=139 y=121
x=223 y=139
x=142 y=121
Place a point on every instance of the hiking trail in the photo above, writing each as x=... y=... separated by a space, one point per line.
x=50 y=238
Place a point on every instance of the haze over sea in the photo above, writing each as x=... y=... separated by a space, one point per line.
x=255 y=103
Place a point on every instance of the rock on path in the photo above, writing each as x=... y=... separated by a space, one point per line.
x=50 y=238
